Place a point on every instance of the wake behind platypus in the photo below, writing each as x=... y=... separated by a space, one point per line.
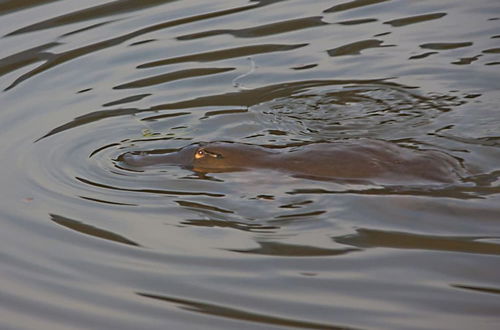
x=364 y=159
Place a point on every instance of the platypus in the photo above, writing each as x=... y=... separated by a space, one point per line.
x=364 y=159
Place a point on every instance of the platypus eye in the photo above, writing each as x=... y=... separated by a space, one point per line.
x=200 y=153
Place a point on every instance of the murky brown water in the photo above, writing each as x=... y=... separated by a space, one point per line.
x=87 y=243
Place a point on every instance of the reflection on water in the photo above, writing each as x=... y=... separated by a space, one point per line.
x=87 y=242
x=232 y=313
x=355 y=110
x=90 y=230
x=373 y=238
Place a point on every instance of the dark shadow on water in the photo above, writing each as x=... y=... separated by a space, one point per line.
x=262 y=30
x=293 y=250
x=172 y=76
x=446 y=45
x=355 y=48
x=198 y=206
x=9 y=6
x=90 y=230
x=414 y=19
x=105 y=10
x=370 y=238
x=238 y=314
x=106 y=202
x=495 y=291
x=223 y=54
x=225 y=223
x=150 y=191
x=352 y=5
x=357 y=21
x=26 y=57
x=127 y=99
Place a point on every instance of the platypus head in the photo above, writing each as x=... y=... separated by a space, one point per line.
x=217 y=157
x=203 y=157
x=226 y=157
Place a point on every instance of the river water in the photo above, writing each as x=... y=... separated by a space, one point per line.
x=86 y=243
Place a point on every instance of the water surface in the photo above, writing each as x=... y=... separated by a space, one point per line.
x=89 y=243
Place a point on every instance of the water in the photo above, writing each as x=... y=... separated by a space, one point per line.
x=86 y=243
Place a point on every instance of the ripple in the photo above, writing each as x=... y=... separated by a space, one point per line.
x=414 y=19
x=445 y=45
x=55 y=59
x=262 y=30
x=374 y=238
x=223 y=54
x=242 y=315
x=90 y=230
x=355 y=48
x=353 y=5
x=172 y=76
x=379 y=110
x=118 y=7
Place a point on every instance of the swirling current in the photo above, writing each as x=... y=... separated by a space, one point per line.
x=87 y=242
